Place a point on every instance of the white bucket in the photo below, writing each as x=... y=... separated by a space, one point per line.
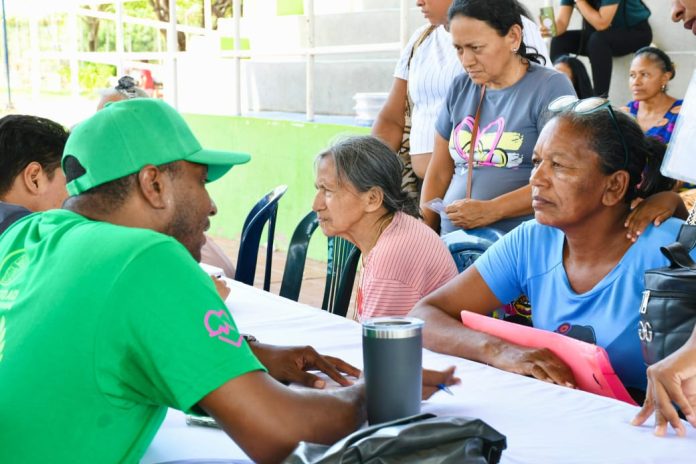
x=367 y=106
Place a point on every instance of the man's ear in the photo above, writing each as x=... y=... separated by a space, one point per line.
x=616 y=188
x=374 y=199
x=155 y=186
x=32 y=177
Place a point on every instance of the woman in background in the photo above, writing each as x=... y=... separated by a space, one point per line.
x=489 y=43
x=425 y=71
x=655 y=110
x=576 y=72
x=609 y=28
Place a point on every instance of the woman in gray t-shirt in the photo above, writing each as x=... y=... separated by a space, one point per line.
x=488 y=39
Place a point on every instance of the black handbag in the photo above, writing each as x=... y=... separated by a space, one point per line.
x=424 y=439
x=668 y=308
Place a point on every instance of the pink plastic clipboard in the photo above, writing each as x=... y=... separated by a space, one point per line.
x=589 y=363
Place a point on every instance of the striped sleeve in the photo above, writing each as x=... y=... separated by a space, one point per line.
x=408 y=262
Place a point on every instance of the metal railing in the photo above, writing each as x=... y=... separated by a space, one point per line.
x=121 y=58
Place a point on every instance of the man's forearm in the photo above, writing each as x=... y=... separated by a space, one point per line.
x=347 y=413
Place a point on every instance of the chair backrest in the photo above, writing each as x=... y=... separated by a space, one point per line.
x=467 y=245
x=341 y=267
x=297 y=257
x=264 y=211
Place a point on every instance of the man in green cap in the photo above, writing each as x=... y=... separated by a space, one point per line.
x=106 y=320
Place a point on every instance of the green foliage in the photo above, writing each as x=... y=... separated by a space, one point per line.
x=94 y=76
x=289 y=7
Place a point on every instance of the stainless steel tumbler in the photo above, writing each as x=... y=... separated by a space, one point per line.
x=392 y=360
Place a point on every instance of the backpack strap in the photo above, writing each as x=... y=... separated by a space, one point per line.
x=678 y=256
x=429 y=30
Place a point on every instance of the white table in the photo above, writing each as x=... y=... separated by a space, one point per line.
x=543 y=423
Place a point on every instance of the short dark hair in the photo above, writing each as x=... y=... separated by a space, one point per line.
x=660 y=58
x=109 y=196
x=366 y=162
x=501 y=15
x=644 y=153
x=25 y=139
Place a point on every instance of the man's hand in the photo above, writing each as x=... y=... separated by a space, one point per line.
x=469 y=214
x=290 y=364
x=540 y=363
x=432 y=380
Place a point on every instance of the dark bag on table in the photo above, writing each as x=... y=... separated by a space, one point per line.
x=424 y=439
x=668 y=309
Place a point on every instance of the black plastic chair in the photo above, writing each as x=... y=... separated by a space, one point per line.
x=341 y=267
x=466 y=246
x=265 y=211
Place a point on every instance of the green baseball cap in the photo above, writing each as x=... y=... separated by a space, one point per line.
x=127 y=135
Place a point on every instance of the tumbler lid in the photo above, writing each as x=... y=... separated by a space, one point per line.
x=392 y=327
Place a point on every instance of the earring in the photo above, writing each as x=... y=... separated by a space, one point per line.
x=514 y=50
x=663 y=88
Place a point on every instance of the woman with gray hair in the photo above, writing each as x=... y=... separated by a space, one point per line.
x=359 y=198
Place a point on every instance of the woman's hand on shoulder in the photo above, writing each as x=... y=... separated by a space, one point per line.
x=655 y=209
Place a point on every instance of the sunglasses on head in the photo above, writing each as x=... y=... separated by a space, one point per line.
x=587 y=106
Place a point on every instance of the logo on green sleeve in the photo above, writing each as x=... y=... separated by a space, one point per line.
x=219 y=324
x=2 y=336
x=12 y=266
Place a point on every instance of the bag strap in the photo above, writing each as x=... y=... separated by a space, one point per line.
x=691 y=220
x=678 y=256
x=687 y=233
x=687 y=236
x=472 y=144
x=366 y=432
x=417 y=43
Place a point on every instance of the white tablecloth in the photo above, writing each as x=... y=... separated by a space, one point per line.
x=543 y=423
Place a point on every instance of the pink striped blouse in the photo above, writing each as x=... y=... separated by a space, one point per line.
x=408 y=262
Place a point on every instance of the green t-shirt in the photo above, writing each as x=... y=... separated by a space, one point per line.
x=629 y=13
x=101 y=328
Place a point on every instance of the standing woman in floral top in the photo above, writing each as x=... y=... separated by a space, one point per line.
x=655 y=110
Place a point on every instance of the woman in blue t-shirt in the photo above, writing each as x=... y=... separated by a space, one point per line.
x=583 y=276
x=609 y=28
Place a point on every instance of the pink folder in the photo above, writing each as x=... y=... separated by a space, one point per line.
x=589 y=363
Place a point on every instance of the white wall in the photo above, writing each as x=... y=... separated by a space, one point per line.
x=279 y=84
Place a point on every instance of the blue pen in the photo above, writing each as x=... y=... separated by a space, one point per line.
x=445 y=388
